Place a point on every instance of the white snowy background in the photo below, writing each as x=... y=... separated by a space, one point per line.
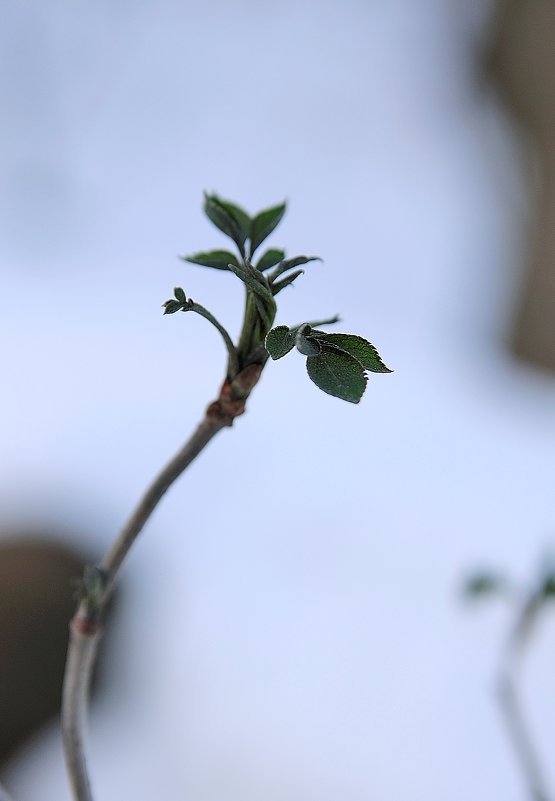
x=292 y=625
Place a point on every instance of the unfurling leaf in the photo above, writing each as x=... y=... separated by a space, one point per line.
x=218 y=259
x=180 y=303
x=337 y=373
x=362 y=350
x=263 y=225
x=172 y=306
x=270 y=259
x=230 y=219
x=279 y=341
x=307 y=345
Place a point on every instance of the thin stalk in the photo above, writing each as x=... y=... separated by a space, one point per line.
x=511 y=706
x=233 y=363
x=315 y=323
x=86 y=630
x=122 y=545
x=81 y=655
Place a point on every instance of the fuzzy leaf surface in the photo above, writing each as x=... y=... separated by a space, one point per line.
x=263 y=225
x=279 y=341
x=240 y=215
x=277 y=286
x=288 y=264
x=230 y=219
x=218 y=259
x=362 y=350
x=337 y=373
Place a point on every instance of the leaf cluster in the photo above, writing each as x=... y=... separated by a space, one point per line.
x=336 y=363
x=180 y=303
x=248 y=233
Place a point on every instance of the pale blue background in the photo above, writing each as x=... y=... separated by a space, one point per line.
x=285 y=635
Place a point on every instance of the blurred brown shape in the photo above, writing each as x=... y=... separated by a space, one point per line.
x=523 y=64
x=36 y=604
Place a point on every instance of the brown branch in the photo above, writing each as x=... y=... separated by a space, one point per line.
x=113 y=560
x=80 y=659
x=86 y=626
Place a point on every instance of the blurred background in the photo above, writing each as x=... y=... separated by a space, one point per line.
x=291 y=623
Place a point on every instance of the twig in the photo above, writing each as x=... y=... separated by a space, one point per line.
x=233 y=367
x=117 y=553
x=245 y=365
x=81 y=655
x=85 y=630
x=511 y=707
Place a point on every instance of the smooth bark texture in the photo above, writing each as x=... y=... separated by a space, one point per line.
x=81 y=655
x=86 y=628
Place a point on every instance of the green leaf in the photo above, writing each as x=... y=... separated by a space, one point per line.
x=263 y=225
x=269 y=259
x=363 y=351
x=256 y=282
x=337 y=373
x=230 y=219
x=240 y=215
x=289 y=264
x=279 y=285
x=279 y=341
x=180 y=294
x=219 y=259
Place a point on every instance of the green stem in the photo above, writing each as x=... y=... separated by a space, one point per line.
x=233 y=366
x=260 y=310
x=245 y=345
